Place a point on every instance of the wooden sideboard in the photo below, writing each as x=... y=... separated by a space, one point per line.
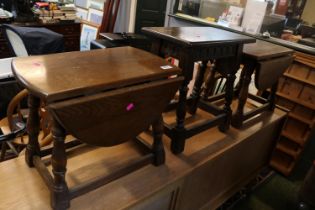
x=212 y=168
x=70 y=31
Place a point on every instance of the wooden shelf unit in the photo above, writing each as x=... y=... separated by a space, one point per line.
x=296 y=92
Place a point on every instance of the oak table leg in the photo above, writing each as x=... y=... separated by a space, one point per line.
x=210 y=82
x=158 y=148
x=272 y=97
x=248 y=70
x=179 y=132
x=179 y=136
x=32 y=148
x=229 y=91
x=195 y=95
x=60 y=198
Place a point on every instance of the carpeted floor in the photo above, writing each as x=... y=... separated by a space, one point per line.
x=279 y=192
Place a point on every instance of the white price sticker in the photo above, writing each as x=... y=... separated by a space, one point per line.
x=166 y=67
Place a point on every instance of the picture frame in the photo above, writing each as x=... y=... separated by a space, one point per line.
x=82 y=3
x=97 y=4
x=95 y=16
x=88 y=33
x=81 y=13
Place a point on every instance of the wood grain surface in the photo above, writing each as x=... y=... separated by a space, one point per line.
x=265 y=50
x=196 y=36
x=65 y=75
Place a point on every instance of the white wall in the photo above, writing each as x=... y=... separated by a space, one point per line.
x=309 y=12
x=132 y=20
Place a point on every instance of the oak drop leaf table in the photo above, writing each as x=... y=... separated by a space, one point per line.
x=101 y=97
x=193 y=44
x=268 y=61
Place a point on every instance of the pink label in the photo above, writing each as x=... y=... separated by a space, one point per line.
x=36 y=64
x=130 y=107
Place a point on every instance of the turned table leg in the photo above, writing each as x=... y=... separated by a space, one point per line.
x=248 y=70
x=272 y=96
x=60 y=193
x=158 y=148
x=32 y=148
x=209 y=82
x=229 y=91
x=195 y=95
x=179 y=132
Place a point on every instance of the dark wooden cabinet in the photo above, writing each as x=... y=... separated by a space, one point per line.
x=70 y=31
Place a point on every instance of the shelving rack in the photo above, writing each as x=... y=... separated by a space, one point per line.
x=296 y=92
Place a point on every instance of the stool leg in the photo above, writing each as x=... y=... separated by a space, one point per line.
x=209 y=82
x=240 y=83
x=272 y=96
x=229 y=91
x=60 y=198
x=179 y=132
x=237 y=119
x=32 y=148
x=158 y=148
x=195 y=95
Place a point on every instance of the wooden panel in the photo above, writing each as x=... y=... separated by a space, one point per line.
x=303 y=112
x=65 y=29
x=311 y=77
x=113 y=117
x=204 y=189
x=308 y=95
x=274 y=67
x=291 y=88
x=299 y=70
x=285 y=103
x=296 y=129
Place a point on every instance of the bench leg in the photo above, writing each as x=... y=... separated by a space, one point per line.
x=60 y=198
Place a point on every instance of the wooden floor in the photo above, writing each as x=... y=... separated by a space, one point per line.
x=163 y=187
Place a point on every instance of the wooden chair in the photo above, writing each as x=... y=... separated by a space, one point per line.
x=13 y=128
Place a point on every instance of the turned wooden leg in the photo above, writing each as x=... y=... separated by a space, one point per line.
x=60 y=193
x=230 y=78
x=240 y=83
x=195 y=95
x=179 y=132
x=158 y=148
x=272 y=96
x=237 y=119
x=3 y=151
x=32 y=148
x=209 y=82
